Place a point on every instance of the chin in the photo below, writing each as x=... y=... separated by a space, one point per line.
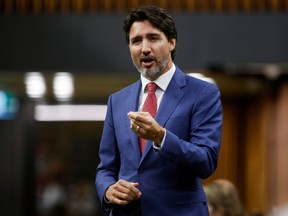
x=150 y=74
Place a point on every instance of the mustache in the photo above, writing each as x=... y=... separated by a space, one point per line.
x=147 y=58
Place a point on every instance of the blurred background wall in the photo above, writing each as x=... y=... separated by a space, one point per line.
x=74 y=52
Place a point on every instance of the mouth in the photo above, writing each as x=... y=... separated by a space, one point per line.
x=147 y=61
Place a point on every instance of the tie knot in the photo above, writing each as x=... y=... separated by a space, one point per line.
x=151 y=87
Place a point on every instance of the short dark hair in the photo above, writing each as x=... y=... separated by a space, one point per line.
x=157 y=16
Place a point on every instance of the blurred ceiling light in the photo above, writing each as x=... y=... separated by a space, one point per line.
x=272 y=71
x=63 y=86
x=202 y=77
x=70 y=112
x=35 y=85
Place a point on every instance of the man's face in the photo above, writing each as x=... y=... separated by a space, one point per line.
x=150 y=49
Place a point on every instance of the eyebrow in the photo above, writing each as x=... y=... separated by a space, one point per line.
x=153 y=34
x=148 y=35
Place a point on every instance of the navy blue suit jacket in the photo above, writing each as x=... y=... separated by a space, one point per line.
x=170 y=179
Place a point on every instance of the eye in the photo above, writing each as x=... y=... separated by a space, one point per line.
x=135 y=41
x=154 y=38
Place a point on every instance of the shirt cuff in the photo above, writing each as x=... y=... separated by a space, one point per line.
x=107 y=206
x=160 y=145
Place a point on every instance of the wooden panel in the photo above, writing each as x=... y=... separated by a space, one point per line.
x=176 y=5
x=50 y=6
x=245 y=150
x=281 y=148
x=107 y=5
x=233 y=5
x=8 y=6
x=79 y=6
x=274 y=4
x=247 y=5
x=163 y=3
x=256 y=151
x=121 y=5
x=21 y=5
x=191 y=5
x=219 y=5
x=92 y=6
x=64 y=6
x=261 y=5
x=37 y=7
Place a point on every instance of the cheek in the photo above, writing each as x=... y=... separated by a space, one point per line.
x=134 y=57
x=165 y=50
x=134 y=53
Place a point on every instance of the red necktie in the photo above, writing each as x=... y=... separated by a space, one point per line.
x=150 y=105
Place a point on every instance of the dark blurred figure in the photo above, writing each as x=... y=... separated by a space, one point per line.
x=223 y=199
x=54 y=197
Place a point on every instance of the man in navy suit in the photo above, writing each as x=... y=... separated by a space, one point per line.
x=183 y=139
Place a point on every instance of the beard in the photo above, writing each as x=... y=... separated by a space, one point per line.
x=154 y=71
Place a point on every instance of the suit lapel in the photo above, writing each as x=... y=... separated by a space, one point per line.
x=131 y=104
x=169 y=102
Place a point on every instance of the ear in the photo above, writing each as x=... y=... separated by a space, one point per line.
x=172 y=44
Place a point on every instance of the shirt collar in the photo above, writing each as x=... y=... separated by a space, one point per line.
x=162 y=81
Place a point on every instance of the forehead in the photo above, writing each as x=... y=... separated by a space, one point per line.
x=142 y=28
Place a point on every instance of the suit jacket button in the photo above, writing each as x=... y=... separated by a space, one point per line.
x=140 y=170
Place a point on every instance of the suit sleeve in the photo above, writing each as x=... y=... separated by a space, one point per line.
x=199 y=152
x=106 y=173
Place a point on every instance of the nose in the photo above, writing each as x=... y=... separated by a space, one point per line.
x=146 y=48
